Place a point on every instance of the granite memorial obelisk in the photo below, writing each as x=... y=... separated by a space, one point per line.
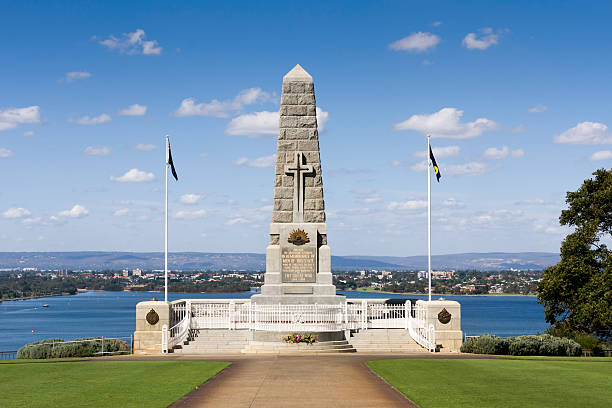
x=298 y=259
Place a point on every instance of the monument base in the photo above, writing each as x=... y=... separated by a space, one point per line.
x=445 y=316
x=150 y=317
x=298 y=299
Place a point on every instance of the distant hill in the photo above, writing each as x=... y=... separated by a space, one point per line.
x=98 y=260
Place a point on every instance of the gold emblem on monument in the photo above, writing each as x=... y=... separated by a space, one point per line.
x=298 y=237
x=444 y=317
x=152 y=317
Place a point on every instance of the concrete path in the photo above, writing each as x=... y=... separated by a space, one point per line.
x=296 y=380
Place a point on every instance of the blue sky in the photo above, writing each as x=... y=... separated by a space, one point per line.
x=515 y=94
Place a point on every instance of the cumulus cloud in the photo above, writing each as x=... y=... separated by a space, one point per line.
x=236 y=220
x=260 y=162
x=416 y=42
x=97 y=150
x=12 y=117
x=75 y=76
x=467 y=169
x=446 y=123
x=410 y=205
x=29 y=133
x=586 y=133
x=134 y=110
x=481 y=41
x=16 y=212
x=440 y=151
x=222 y=109
x=517 y=153
x=493 y=153
x=132 y=43
x=601 y=155
x=121 y=212
x=134 y=176
x=538 y=108
x=190 y=198
x=5 y=153
x=453 y=203
x=86 y=120
x=78 y=211
x=265 y=123
x=190 y=215
x=145 y=147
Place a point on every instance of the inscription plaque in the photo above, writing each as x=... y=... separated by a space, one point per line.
x=299 y=264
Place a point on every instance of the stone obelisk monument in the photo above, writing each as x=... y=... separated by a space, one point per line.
x=298 y=259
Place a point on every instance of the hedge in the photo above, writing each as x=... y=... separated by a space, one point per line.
x=78 y=348
x=541 y=345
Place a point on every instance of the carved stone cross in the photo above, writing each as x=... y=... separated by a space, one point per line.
x=298 y=170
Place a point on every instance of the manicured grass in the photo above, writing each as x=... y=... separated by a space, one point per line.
x=102 y=383
x=499 y=383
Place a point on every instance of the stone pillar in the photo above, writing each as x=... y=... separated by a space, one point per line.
x=150 y=317
x=445 y=315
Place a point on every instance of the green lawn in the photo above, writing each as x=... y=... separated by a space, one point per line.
x=499 y=383
x=101 y=383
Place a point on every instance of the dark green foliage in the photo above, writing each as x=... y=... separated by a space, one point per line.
x=48 y=349
x=577 y=292
x=586 y=340
x=541 y=345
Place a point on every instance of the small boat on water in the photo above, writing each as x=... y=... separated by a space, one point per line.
x=45 y=305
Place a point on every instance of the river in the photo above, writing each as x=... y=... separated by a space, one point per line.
x=112 y=314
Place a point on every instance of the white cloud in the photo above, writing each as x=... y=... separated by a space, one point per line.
x=484 y=40
x=75 y=76
x=134 y=110
x=436 y=23
x=12 y=117
x=538 y=108
x=517 y=153
x=440 y=151
x=190 y=215
x=190 y=198
x=236 y=220
x=16 y=212
x=260 y=162
x=410 y=205
x=586 y=133
x=601 y=155
x=467 y=169
x=222 y=109
x=134 y=176
x=97 y=150
x=453 y=203
x=265 y=123
x=204 y=155
x=78 y=211
x=416 y=42
x=132 y=43
x=86 y=120
x=5 y=153
x=493 y=153
x=29 y=133
x=145 y=147
x=121 y=212
x=446 y=124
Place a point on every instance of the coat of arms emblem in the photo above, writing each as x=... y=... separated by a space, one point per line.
x=444 y=316
x=152 y=317
x=298 y=237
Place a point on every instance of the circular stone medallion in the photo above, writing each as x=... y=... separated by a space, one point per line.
x=152 y=317
x=444 y=317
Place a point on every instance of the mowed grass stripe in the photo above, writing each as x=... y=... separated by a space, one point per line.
x=499 y=383
x=102 y=383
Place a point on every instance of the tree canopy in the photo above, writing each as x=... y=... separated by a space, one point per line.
x=577 y=292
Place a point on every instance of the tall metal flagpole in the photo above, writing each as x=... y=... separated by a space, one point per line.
x=428 y=215
x=166 y=232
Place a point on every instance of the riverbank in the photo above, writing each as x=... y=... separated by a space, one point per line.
x=370 y=290
x=38 y=297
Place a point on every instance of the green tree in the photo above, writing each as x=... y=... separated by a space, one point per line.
x=577 y=292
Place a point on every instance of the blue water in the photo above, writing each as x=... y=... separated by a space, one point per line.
x=112 y=314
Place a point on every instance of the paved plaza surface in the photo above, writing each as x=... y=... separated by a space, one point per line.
x=297 y=380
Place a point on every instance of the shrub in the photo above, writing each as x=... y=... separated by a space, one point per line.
x=47 y=349
x=541 y=345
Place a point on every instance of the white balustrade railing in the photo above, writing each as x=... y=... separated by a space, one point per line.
x=239 y=314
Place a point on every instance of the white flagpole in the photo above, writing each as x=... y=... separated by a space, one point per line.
x=166 y=232
x=429 y=215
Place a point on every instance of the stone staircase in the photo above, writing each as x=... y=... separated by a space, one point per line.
x=385 y=341
x=264 y=347
x=214 y=342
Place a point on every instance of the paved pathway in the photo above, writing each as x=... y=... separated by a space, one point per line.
x=296 y=380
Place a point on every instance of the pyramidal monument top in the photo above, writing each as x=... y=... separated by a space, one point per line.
x=297 y=74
